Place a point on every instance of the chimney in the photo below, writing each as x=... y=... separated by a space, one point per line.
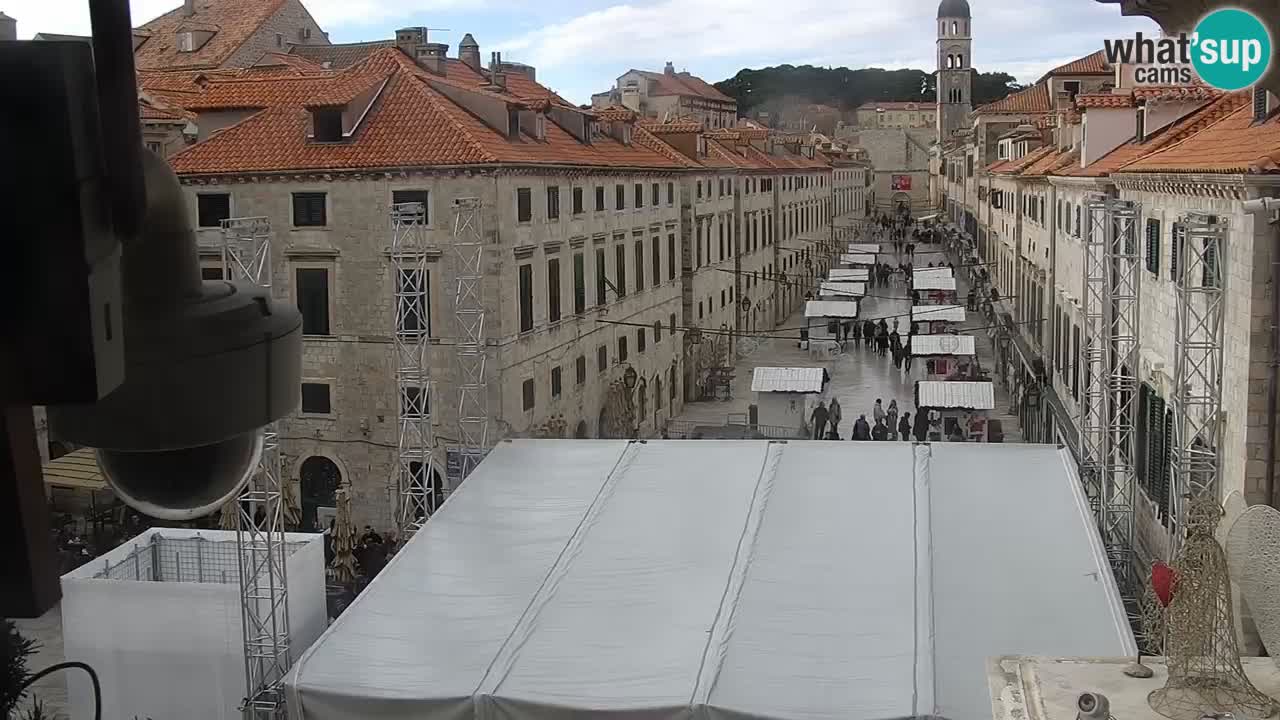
x=408 y=39
x=669 y=69
x=8 y=27
x=469 y=52
x=497 y=78
x=188 y=8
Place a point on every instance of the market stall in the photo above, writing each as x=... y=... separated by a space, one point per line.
x=834 y=290
x=960 y=403
x=933 y=288
x=937 y=319
x=785 y=396
x=822 y=324
x=945 y=356
x=849 y=275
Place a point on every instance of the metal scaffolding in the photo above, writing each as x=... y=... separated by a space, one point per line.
x=1108 y=442
x=261 y=551
x=468 y=308
x=1198 y=365
x=416 y=472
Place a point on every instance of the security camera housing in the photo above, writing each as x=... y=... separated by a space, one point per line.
x=207 y=365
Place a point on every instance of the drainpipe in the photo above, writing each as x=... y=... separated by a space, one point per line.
x=1257 y=208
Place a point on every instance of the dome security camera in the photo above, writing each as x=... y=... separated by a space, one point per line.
x=1093 y=706
x=207 y=366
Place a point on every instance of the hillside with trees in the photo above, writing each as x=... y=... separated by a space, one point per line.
x=774 y=88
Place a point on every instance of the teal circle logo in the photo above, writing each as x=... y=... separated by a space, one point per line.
x=1231 y=49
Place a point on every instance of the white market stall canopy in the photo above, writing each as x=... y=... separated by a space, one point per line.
x=830 y=309
x=932 y=282
x=931 y=272
x=665 y=580
x=788 y=379
x=942 y=345
x=864 y=248
x=851 y=290
x=858 y=259
x=933 y=313
x=957 y=394
x=848 y=274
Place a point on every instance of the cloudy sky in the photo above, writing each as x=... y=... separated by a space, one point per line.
x=580 y=46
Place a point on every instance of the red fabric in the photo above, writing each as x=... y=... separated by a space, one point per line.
x=1164 y=580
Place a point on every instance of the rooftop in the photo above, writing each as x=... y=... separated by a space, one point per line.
x=231 y=21
x=682 y=83
x=617 y=579
x=1060 y=681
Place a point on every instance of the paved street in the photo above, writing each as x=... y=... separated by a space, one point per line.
x=858 y=376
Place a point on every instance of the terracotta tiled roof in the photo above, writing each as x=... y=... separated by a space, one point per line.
x=1054 y=160
x=1104 y=100
x=646 y=139
x=682 y=83
x=234 y=21
x=1224 y=139
x=150 y=110
x=1177 y=132
x=1014 y=167
x=1091 y=64
x=677 y=126
x=410 y=124
x=997 y=166
x=614 y=114
x=1034 y=99
x=1176 y=93
x=341 y=55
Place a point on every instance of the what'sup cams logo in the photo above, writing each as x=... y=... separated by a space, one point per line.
x=1230 y=49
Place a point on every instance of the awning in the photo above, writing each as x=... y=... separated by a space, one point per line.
x=77 y=469
x=830 y=309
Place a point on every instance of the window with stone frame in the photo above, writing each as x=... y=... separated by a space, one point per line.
x=527 y=395
x=580 y=370
x=556 y=380
x=524 y=205
x=1153 y=246
x=525 y=297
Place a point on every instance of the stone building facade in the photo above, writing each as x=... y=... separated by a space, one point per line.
x=900 y=157
x=890 y=114
x=1172 y=152
x=603 y=235
x=670 y=96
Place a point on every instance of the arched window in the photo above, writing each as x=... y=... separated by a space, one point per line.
x=319 y=478
x=959 y=61
x=942 y=27
x=949 y=61
x=955 y=28
x=657 y=392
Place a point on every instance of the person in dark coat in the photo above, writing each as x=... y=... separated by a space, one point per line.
x=879 y=432
x=868 y=332
x=921 y=426
x=904 y=427
x=906 y=354
x=861 y=430
x=819 y=418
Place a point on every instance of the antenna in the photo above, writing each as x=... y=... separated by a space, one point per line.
x=426 y=30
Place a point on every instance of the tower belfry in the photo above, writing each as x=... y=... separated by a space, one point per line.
x=955 y=66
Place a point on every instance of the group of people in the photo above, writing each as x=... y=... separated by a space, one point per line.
x=886 y=424
x=878 y=336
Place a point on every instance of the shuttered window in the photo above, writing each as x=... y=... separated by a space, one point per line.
x=1153 y=246
x=1178 y=233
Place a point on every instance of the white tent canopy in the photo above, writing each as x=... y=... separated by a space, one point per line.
x=848 y=274
x=957 y=394
x=934 y=313
x=931 y=272
x=850 y=290
x=864 y=248
x=858 y=259
x=725 y=580
x=932 y=282
x=830 y=309
x=958 y=345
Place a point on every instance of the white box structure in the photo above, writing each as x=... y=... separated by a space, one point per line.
x=159 y=619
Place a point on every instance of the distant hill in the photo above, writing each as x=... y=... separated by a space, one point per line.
x=774 y=88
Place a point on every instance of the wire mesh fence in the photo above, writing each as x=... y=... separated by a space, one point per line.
x=195 y=559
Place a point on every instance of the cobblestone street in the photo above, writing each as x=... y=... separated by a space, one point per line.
x=858 y=375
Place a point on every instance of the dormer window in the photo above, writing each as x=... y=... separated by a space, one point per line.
x=186 y=42
x=513 y=123
x=1140 y=131
x=326 y=124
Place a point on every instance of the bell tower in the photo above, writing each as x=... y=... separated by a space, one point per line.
x=955 y=66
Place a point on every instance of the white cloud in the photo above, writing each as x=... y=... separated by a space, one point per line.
x=71 y=17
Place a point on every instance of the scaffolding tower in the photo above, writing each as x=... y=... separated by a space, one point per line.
x=469 y=310
x=416 y=473
x=1198 y=364
x=264 y=606
x=1108 y=437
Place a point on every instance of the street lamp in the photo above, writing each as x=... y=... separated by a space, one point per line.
x=1033 y=395
x=630 y=378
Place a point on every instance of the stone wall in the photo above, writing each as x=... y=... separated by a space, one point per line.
x=292 y=22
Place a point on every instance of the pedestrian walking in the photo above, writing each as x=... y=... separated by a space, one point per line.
x=834 y=414
x=819 y=418
x=891 y=418
x=877 y=412
x=879 y=432
x=861 y=430
x=935 y=425
x=868 y=332
x=904 y=427
x=906 y=355
x=857 y=331
x=920 y=428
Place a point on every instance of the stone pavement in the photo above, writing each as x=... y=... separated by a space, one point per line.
x=858 y=376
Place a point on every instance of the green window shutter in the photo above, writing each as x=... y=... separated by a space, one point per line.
x=1153 y=246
